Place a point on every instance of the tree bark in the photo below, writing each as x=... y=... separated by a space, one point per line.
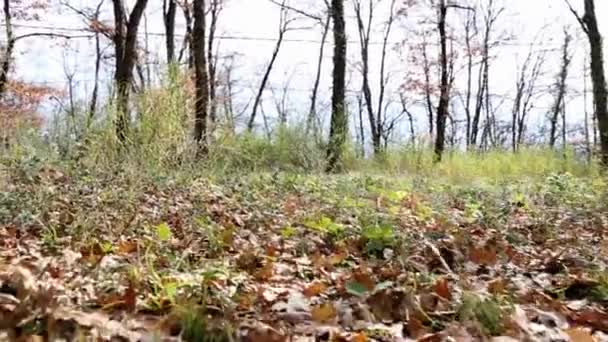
x=5 y=66
x=561 y=91
x=216 y=7
x=201 y=77
x=470 y=24
x=339 y=122
x=312 y=112
x=125 y=44
x=169 y=13
x=364 y=36
x=442 y=108
x=258 y=98
x=600 y=97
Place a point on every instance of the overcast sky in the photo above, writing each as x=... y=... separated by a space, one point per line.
x=44 y=61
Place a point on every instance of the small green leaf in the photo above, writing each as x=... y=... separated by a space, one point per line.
x=171 y=291
x=288 y=232
x=356 y=288
x=163 y=231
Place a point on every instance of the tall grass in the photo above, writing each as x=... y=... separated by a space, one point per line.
x=160 y=144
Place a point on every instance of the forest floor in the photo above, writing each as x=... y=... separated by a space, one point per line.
x=301 y=258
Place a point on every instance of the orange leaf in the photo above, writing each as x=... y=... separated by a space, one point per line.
x=365 y=278
x=324 y=312
x=315 y=289
x=127 y=247
x=360 y=337
x=442 y=288
x=579 y=335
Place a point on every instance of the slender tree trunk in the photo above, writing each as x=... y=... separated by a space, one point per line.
x=467 y=107
x=212 y=60
x=339 y=123
x=364 y=36
x=427 y=86
x=561 y=90
x=383 y=78
x=5 y=66
x=442 y=108
x=600 y=96
x=586 y=125
x=169 y=13
x=94 y=95
x=312 y=112
x=273 y=58
x=125 y=44
x=361 y=126
x=201 y=77
x=564 y=129
x=187 y=43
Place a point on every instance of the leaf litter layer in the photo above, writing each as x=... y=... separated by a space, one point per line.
x=300 y=258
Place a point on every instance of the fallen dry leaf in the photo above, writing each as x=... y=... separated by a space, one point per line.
x=314 y=289
x=442 y=289
x=324 y=312
x=579 y=335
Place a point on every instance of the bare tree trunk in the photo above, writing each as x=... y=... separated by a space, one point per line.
x=339 y=123
x=469 y=25
x=283 y=28
x=442 y=108
x=216 y=7
x=561 y=90
x=427 y=86
x=169 y=13
x=600 y=96
x=564 y=129
x=380 y=117
x=361 y=126
x=5 y=66
x=364 y=36
x=125 y=45
x=187 y=43
x=586 y=125
x=201 y=77
x=312 y=112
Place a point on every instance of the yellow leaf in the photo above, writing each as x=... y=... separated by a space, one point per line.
x=324 y=312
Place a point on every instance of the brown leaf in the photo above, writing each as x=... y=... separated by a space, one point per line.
x=593 y=318
x=130 y=298
x=92 y=253
x=324 y=312
x=486 y=255
x=496 y=286
x=272 y=250
x=415 y=328
x=314 y=289
x=579 y=335
x=442 y=288
x=263 y=333
x=126 y=247
x=265 y=272
x=364 y=277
